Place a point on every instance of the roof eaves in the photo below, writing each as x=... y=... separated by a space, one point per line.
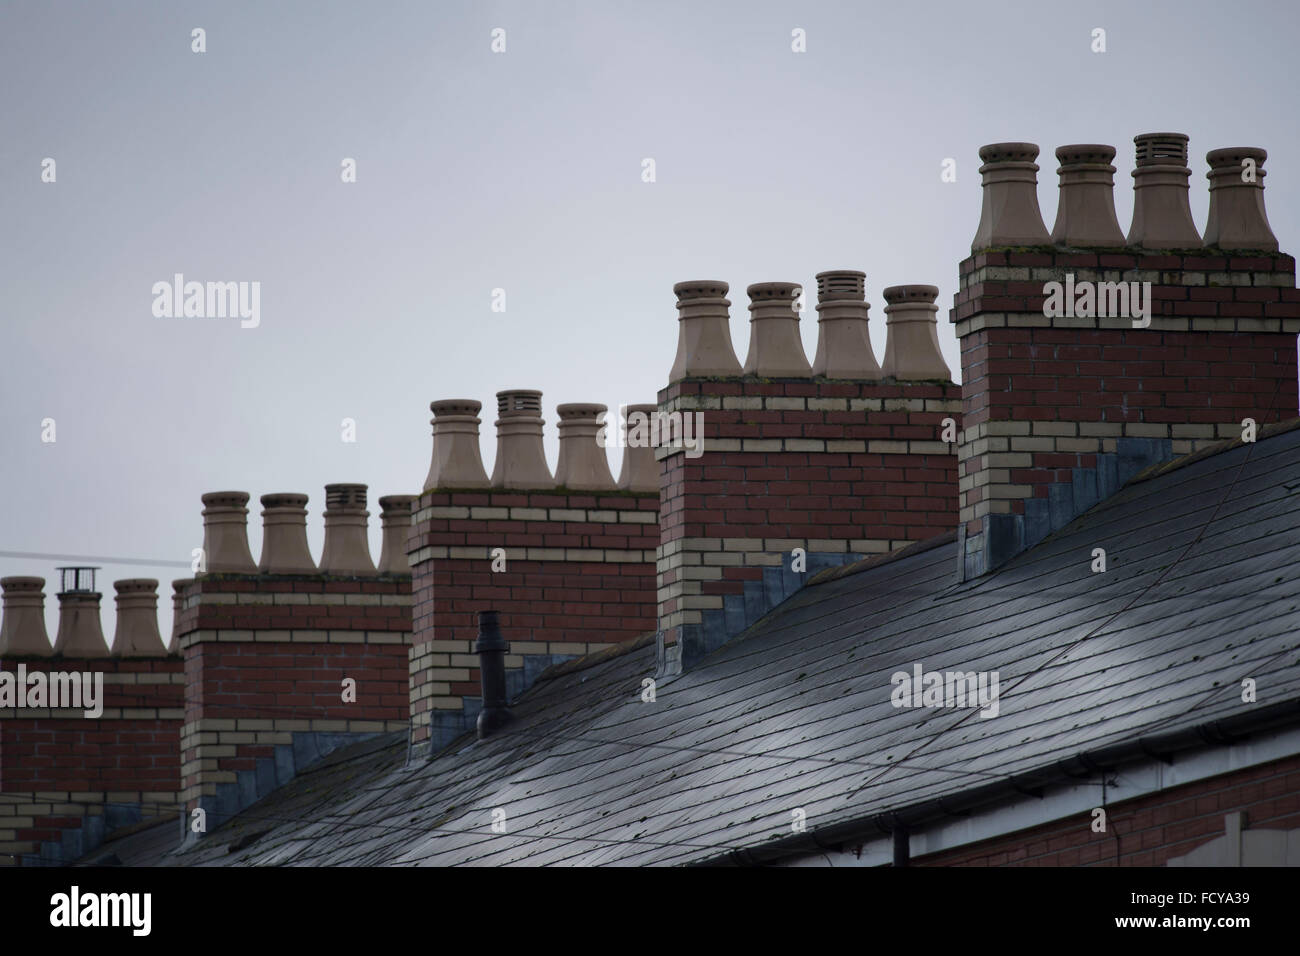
x=1283 y=714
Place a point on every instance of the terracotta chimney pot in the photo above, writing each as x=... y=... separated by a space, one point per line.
x=775 y=348
x=1009 y=213
x=137 y=632
x=583 y=464
x=703 y=331
x=284 y=535
x=396 y=517
x=912 y=342
x=225 y=533
x=457 y=461
x=22 y=627
x=1237 y=218
x=640 y=471
x=1085 y=214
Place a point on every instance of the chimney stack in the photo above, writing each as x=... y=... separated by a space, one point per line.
x=457 y=462
x=1085 y=214
x=1237 y=219
x=396 y=518
x=284 y=535
x=1162 y=217
x=137 y=619
x=583 y=464
x=80 y=633
x=912 y=335
x=703 y=332
x=22 y=629
x=775 y=348
x=225 y=533
x=640 y=471
x=843 y=335
x=1009 y=214
x=491 y=649
x=1061 y=407
x=787 y=448
x=521 y=459
x=346 y=549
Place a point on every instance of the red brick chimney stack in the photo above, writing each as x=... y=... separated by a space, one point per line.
x=1172 y=345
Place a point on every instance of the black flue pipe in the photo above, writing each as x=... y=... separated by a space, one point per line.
x=491 y=648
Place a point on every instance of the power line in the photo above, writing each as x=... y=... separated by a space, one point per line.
x=101 y=559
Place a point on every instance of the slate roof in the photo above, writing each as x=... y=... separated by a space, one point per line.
x=1202 y=589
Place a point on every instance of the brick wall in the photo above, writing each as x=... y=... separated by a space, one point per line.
x=66 y=780
x=266 y=657
x=840 y=469
x=578 y=576
x=1058 y=412
x=1147 y=831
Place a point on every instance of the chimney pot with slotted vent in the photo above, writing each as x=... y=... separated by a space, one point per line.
x=346 y=549
x=521 y=459
x=1162 y=217
x=843 y=336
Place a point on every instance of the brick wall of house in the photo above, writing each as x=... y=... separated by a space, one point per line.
x=1147 y=831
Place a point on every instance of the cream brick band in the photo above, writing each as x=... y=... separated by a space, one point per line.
x=307 y=636
x=484 y=553
x=486 y=513
x=282 y=598
x=1159 y=323
x=1166 y=277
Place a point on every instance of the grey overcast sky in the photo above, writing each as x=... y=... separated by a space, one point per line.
x=520 y=171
